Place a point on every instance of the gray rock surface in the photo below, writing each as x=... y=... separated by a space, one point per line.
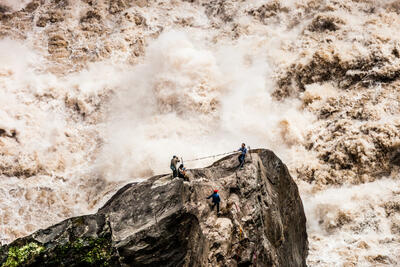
x=169 y=222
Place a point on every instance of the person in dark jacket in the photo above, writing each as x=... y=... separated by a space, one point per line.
x=173 y=166
x=242 y=155
x=215 y=200
x=182 y=173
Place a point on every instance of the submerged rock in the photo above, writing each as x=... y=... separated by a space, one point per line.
x=169 y=222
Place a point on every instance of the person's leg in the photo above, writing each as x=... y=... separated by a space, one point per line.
x=212 y=207
x=175 y=173
x=241 y=159
x=218 y=207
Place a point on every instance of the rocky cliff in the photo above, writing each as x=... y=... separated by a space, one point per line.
x=169 y=222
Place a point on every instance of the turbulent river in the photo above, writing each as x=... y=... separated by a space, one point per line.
x=98 y=93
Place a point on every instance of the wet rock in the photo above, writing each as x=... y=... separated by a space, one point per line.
x=165 y=222
x=323 y=23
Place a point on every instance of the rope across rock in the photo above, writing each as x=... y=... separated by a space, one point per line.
x=214 y=156
x=181 y=171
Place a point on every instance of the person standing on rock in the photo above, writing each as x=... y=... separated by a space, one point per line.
x=242 y=155
x=173 y=166
x=215 y=200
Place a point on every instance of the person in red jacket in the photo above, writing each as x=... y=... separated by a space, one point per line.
x=215 y=200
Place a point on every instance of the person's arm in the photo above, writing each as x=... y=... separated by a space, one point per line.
x=209 y=197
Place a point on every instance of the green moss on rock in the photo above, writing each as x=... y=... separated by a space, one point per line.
x=87 y=251
x=21 y=255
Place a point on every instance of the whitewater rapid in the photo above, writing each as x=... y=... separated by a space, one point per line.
x=183 y=99
x=87 y=106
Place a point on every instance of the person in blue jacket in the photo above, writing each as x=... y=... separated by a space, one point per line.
x=242 y=155
x=215 y=200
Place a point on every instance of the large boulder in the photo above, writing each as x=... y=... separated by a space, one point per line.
x=169 y=222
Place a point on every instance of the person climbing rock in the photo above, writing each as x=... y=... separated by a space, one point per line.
x=174 y=163
x=215 y=200
x=182 y=173
x=242 y=155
